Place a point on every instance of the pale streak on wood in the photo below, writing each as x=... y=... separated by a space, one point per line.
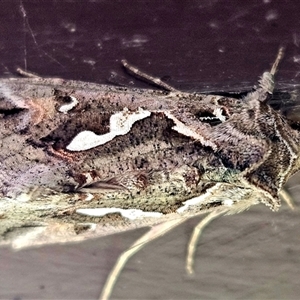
x=120 y=124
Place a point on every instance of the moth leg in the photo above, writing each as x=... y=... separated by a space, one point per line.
x=195 y=238
x=27 y=74
x=148 y=78
x=155 y=232
x=285 y=196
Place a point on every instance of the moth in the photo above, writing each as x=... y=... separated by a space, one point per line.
x=80 y=160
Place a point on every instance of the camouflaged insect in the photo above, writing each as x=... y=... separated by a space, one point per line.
x=80 y=160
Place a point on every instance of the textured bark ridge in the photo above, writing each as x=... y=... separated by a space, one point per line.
x=80 y=159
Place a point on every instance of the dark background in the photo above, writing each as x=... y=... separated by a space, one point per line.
x=195 y=46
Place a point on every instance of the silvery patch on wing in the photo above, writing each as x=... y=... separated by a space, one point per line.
x=67 y=107
x=219 y=114
x=198 y=200
x=189 y=132
x=131 y=214
x=120 y=124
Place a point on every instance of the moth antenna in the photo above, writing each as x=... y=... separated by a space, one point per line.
x=266 y=82
x=26 y=73
x=148 y=78
x=277 y=60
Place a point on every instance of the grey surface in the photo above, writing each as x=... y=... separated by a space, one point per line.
x=254 y=255
x=202 y=45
